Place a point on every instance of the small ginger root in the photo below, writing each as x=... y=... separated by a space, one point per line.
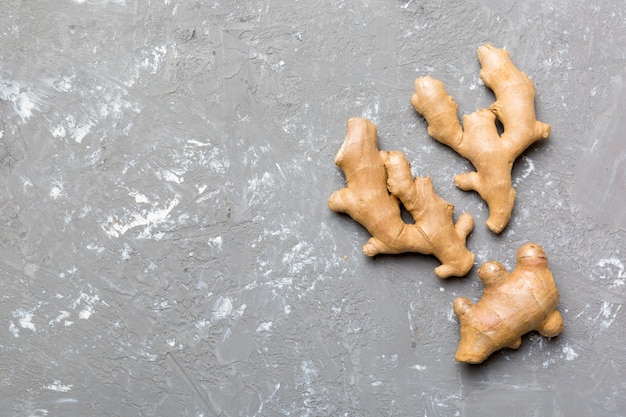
x=478 y=140
x=377 y=181
x=511 y=306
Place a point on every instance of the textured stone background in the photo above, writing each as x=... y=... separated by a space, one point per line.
x=166 y=249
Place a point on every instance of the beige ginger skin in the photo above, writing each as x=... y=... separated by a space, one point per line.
x=512 y=305
x=377 y=181
x=478 y=140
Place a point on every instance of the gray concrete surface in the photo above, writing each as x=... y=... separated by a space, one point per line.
x=166 y=249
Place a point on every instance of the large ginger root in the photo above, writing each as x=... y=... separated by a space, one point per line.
x=491 y=154
x=376 y=180
x=511 y=306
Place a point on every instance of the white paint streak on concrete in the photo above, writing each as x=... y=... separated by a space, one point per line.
x=216 y=162
x=570 y=353
x=451 y=317
x=66 y=401
x=301 y=255
x=22 y=101
x=95 y=248
x=276 y=284
x=76 y=130
x=87 y=302
x=264 y=327
x=56 y=191
x=139 y=198
x=615 y=270
x=24 y=319
x=14 y=330
x=126 y=252
x=198 y=143
x=79 y=132
x=309 y=372
x=608 y=314
x=63 y=84
x=86 y=313
x=222 y=308
x=239 y=312
x=258 y=187
x=153 y=59
x=171 y=176
x=114 y=228
x=61 y=317
x=530 y=167
x=216 y=242
x=208 y=196
x=57 y=386
x=59 y=132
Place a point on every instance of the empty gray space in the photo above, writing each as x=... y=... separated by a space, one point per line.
x=165 y=244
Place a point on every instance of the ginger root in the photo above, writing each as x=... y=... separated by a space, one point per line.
x=478 y=140
x=376 y=180
x=511 y=306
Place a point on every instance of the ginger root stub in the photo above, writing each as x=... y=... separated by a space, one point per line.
x=478 y=139
x=512 y=305
x=377 y=181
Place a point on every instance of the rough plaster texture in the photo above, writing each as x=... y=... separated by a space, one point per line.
x=166 y=249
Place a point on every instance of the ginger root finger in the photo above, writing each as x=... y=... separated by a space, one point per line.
x=439 y=109
x=512 y=305
x=478 y=139
x=377 y=181
x=366 y=198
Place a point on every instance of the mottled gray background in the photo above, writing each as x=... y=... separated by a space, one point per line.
x=166 y=248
